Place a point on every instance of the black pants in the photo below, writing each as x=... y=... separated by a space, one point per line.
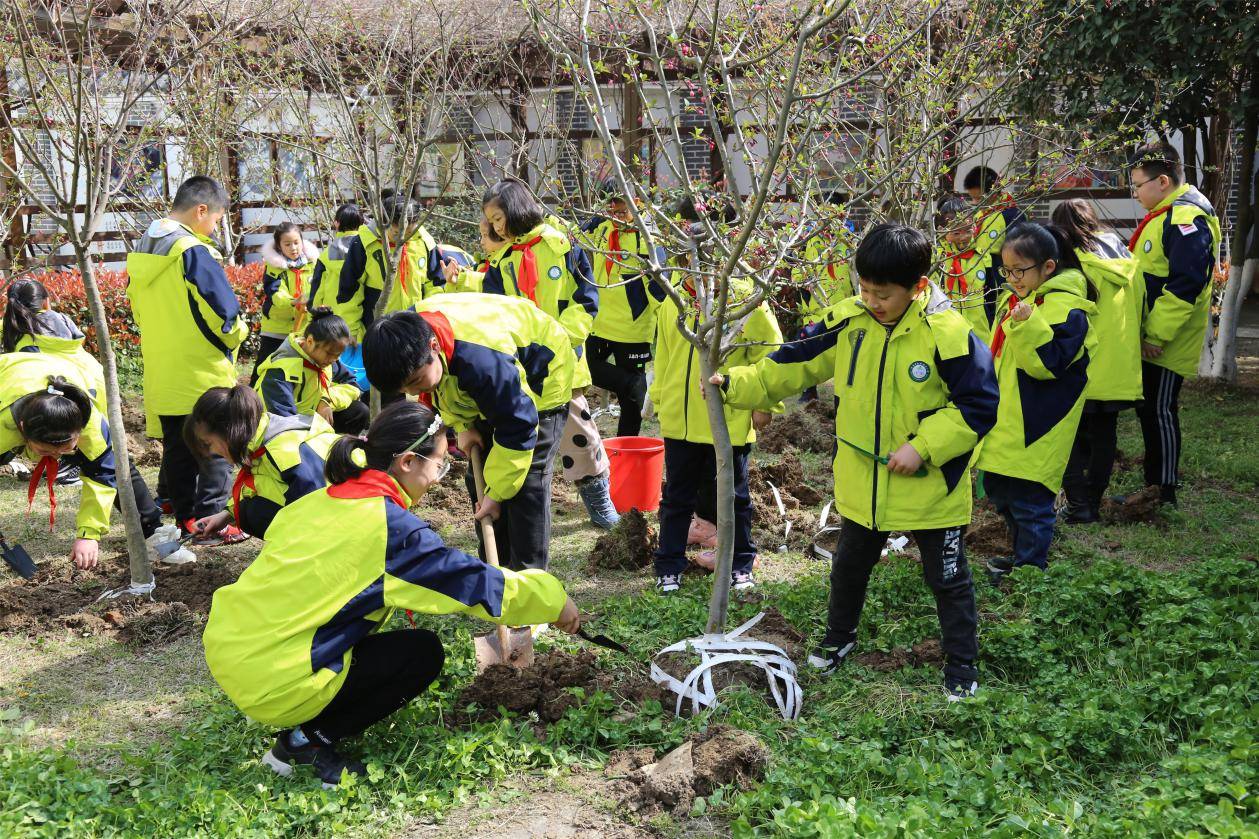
x=1092 y=459
x=266 y=346
x=1160 y=426
x=150 y=515
x=353 y=420
x=622 y=369
x=197 y=488
x=387 y=671
x=522 y=533
x=943 y=567
x=690 y=471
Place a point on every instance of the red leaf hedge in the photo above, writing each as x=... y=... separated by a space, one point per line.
x=65 y=288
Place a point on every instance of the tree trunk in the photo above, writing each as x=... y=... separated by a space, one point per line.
x=719 y=602
x=1221 y=353
x=137 y=551
x=1189 y=139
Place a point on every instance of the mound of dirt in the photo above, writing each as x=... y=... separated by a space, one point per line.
x=987 y=535
x=630 y=545
x=810 y=428
x=925 y=652
x=721 y=756
x=545 y=688
x=773 y=628
x=1144 y=505
x=446 y=503
x=799 y=499
x=145 y=451
x=61 y=599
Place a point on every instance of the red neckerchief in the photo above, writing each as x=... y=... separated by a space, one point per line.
x=46 y=466
x=245 y=478
x=527 y=281
x=1149 y=217
x=998 y=335
x=402 y=269
x=614 y=247
x=321 y=372
x=371 y=483
x=442 y=329
x=956 y=275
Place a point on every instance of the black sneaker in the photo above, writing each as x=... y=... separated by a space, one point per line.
x=961 y=680
x=827 y=657
x=1080 y=514
x=69 y=476
x=999 y=567
x=328 y=764
x=668 y=583
x=742 y=580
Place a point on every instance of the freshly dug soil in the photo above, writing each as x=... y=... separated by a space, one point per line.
x=810 y=428
x=544 y=688
x=61 y=598
x=925 y=652
x=630 y=545
x=987 y=535
x=720 y=756
x=1144 y=505
x=799 y=499
x=773 y=628
x=446 y=504
x=145 y=451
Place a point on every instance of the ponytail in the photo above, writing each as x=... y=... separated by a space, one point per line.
x=25 y=300
x=1077 y=221
x=55 y=415
x=326 y=327
x=232 y=413
x=395 y=430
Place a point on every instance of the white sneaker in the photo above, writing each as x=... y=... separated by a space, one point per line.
x=163 y=535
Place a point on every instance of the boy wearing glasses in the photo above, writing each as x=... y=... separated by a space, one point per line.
x=1177 y=248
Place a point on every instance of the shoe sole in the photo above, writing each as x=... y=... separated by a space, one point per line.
x=276 y=765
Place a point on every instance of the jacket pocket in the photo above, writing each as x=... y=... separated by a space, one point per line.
x=856 y=352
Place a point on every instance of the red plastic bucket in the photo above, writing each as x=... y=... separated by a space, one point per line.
x=637 y=466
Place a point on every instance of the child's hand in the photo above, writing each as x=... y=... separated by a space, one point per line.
x=1021 y=312
x=325 y=410
x=1150 y=350
x=905 y=460
x=85 y=553
x=465 y=440
x=211 y=525
x=488 y=509
x=570 y=618
x=760 y=419
x=450 y=269
x=717 y=379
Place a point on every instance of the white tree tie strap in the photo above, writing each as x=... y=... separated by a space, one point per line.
x=718 y=649
x=133 y=590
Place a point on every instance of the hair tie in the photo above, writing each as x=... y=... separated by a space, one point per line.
x=362 y=438
x=359 y=458
x=54 y=391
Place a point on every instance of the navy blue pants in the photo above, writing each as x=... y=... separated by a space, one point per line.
x=689 y=470
x=1028 y=508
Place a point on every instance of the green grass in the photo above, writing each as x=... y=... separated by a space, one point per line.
x=1117 y=700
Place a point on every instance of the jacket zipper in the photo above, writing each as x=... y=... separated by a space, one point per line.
x=856 y=351
x=878 y=425
x=686 y=390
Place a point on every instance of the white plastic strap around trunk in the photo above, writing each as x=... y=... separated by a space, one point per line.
x=133 y=590
x=715 y=650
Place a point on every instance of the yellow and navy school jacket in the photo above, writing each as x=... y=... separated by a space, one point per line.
x=963 y=275
x=1178 y=247
x=290 y=384
x=628 y=298
x=1115 y=367
x=1042 y=369
x=60 y=336
x=284 y=462
x=23 y=374
x=285 y=283
x=504 y=361
x=280 y=640
x=675 y=388
x=565 y=288
x=927 y=380
x=364 y=269
x=823 y=277
x=188 y=316
x=325 y=284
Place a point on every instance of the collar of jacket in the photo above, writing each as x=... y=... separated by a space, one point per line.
x=372 y=483
x=557 y=239
x=1175 y=193
x=165 y=226
x=295 y=343
x=255 y=441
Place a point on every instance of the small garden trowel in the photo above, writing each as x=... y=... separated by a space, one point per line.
x=165 y=549
x=18 y=559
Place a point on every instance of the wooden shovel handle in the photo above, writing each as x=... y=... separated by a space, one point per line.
x=487 y=537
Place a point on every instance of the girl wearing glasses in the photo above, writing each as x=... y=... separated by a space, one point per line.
x=1042 y=344
x=296 y=642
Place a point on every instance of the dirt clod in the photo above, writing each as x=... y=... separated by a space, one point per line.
x=987 y=535
x=630 y=545
x=1144 y=505
x=925 y=652
x=718 y=757
x=810 y=428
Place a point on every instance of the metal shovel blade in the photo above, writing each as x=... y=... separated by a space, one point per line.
x=519 y=643
x=18 y=559
x=165 y=549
